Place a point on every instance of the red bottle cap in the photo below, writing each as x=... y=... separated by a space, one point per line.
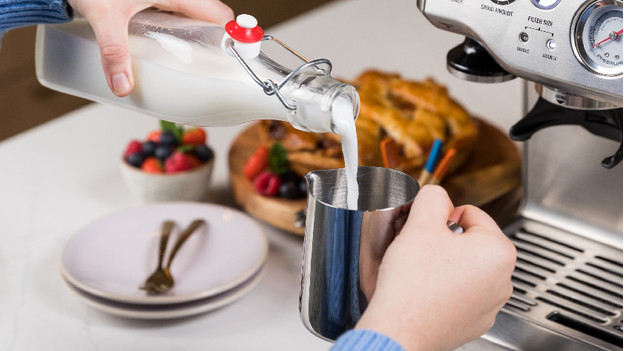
x=244 y=29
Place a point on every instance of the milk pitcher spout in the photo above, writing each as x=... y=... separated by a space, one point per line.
x=343 y=248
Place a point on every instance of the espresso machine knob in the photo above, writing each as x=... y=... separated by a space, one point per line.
x=470 y=61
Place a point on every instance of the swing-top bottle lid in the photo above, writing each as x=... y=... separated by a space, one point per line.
x=244 y=29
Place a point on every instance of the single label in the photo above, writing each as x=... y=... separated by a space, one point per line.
x=521 y=49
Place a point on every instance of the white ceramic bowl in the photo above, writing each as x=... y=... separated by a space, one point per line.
x=190 y=185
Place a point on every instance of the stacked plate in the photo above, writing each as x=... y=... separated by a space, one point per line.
x=105 y=263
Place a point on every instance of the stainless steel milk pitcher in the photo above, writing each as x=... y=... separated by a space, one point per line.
x=343 y=248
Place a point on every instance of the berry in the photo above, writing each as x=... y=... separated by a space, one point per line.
x=204 y=153
x=136 y=159
x=163 y=152
x=134 y=146
x=148 y=148
x=154 y=136
x=152 y=165
x=194 y=161
x=289 y=190
x=267 y=183
x=177 y=162
x=257 y=163
x=290 y=176
x=303 y=188
x=167 y=138
x=194 y=136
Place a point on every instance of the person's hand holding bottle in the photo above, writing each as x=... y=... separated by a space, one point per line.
x=438 y=290
x=109 y=19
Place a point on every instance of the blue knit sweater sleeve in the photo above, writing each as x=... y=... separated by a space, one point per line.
x=19 y=13
x=365 y=340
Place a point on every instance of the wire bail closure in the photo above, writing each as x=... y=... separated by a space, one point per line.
x=272 y=88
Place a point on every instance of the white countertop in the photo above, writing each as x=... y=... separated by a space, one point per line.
x=63 y=175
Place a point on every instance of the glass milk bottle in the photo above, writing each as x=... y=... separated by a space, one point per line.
x=192 y=72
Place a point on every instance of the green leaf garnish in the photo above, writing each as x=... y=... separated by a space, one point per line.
x=278 y=162
x=185 y=148
x=174 y=128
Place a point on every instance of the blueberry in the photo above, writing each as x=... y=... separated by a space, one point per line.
x=303 y=188
x=162 y=152
x=148 y=148
x=289 y=190
x=204 y=153
x=168 y=139
x=136 y=159
x=290 y=176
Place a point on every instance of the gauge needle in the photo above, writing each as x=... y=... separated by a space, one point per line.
x=612 y=36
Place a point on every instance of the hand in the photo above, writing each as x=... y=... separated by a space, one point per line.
x=109 y=19
x=438 y=290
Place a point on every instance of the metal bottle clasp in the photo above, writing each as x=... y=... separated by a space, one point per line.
x=272 y=88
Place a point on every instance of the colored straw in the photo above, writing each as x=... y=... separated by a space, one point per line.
x=443 y=167
x=434 y=154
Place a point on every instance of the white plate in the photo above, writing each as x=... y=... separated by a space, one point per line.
x=167 y=311
x=112 y=257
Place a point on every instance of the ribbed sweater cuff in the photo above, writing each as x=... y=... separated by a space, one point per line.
x=365 y=340
x=19 y=13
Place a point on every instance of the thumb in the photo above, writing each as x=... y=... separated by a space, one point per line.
x=111 y=32
x=431 y=209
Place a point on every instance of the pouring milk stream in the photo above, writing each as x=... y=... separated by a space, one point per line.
x=191 y=72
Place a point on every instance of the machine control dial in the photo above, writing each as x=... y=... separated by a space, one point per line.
x=503 y=2
x=598 y=37
x=546 y=4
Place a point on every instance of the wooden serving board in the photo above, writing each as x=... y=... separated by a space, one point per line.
x=490 y=174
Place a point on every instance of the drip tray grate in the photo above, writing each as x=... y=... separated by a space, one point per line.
x=568 y=285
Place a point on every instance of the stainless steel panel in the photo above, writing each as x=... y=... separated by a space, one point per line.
x=499 y=26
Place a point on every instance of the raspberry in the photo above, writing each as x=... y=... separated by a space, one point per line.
x=267 y=183
x=134 y=146
x=178 y=162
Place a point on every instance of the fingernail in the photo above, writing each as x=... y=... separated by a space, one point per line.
x=121 y=85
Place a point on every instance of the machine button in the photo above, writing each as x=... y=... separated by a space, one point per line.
x=551 y=44
x=546 y=4
x=524 y=37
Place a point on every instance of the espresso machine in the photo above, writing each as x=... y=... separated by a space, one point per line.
x=568 y=233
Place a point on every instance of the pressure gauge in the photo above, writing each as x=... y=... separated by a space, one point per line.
x=598 y=37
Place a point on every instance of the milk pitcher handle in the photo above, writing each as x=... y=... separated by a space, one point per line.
x=272 y=88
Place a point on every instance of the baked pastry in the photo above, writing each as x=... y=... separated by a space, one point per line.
x=411 y=113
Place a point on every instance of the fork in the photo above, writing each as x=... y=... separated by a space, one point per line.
x=161 y=280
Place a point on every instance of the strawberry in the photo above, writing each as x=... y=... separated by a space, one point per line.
x=267 y=183
x=178 y=162
x=194 y=136
x=194 y=161
x=257 y=163
x=133 y=147
x=154 y=136
x=152 y=165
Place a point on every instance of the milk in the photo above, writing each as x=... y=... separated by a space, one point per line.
x=344 y=124
x=184 y=73
x=175 y=80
